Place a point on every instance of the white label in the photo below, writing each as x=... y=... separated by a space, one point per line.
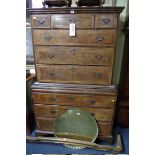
x=72 y=29
x=32 y=71
x=72 y=11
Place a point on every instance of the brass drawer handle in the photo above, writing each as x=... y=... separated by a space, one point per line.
x=113 y=100
x=73 y=20
x=51 y=74
x=106 y=20
x=92 y=102
x=73 y=51
x=71 y=98
x=52 y=99
x=73 y=68
x=98 y=75
x=48 y=38
x=51 y=55
x=99 y=38
x=53 y=111
x=41 y=21
x=98 y=57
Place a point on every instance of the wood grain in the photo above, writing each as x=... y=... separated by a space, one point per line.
x=74 y=55
x=63 y=20
x=61 y=37
x=55 y=110
x=74 y=74
x=40 y=21
x=79 y=10
x=105 y=101
x=105 y=20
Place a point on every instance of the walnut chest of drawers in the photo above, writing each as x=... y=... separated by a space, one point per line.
x=65 y=63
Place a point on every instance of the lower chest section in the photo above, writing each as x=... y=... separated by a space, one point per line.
x=50 y=102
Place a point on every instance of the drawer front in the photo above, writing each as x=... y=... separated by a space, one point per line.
x=105 y=101
x=80 y=20
x=74 y=74
x=54 y=111
x=40 y=21
x=45 y=124
x=105 y=21
x=83 y=37
x=105 y=128
x=74 y=55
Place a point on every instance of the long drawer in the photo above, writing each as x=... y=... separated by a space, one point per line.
x=45 y=124
x=106 y=101
x=83 y=37
x=74 y=74
x=54 y=111
x=74 y=55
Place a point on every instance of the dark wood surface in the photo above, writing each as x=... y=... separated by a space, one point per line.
x=90 y=2
x=79 y=10
x=74 y=89
x=122 y=117
x=29 y=109
x=101 y=88
x=57 y=3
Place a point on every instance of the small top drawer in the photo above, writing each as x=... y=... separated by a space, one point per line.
x=40 y=21
x=105 y=21
x=80 y=20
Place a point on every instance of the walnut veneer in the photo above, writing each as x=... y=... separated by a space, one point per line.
x=74 y=71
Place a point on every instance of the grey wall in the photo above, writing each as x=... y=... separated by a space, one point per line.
x=120 y=43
